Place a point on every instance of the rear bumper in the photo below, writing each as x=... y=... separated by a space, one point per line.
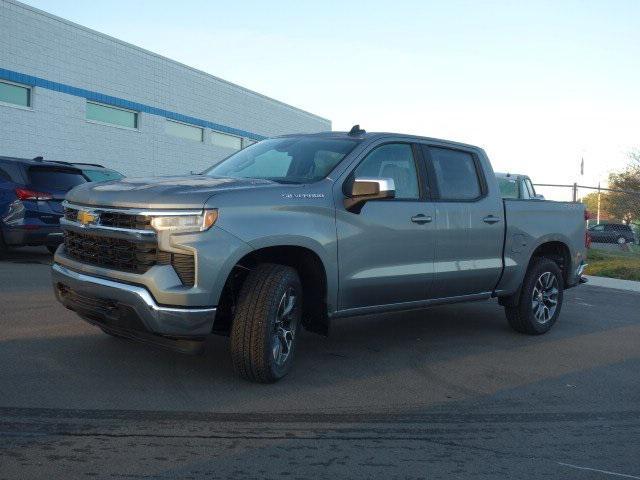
x=129 y=310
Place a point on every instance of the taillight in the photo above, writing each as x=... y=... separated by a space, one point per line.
x=25 y=194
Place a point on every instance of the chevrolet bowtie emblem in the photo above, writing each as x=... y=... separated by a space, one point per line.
x=85 y=217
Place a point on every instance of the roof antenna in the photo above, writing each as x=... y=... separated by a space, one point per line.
x=38 y=158
x=356 y=130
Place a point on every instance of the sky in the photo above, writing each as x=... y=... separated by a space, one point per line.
x=538 y=84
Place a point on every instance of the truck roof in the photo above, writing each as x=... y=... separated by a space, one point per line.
x=375 y=135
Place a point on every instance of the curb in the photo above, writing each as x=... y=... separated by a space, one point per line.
x=629 y=285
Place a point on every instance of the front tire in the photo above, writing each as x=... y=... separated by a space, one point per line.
x=540 y=299
x=266 y=323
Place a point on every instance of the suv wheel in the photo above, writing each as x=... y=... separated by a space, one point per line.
x=540 y=299
x=621 y=240
x=266 y=323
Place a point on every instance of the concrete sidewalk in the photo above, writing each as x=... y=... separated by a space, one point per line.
x=606 y=282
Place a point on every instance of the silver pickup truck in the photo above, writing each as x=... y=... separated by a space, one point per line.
x=301 y=230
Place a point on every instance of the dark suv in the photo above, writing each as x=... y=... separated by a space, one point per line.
x=31 y=195
x=611 y=233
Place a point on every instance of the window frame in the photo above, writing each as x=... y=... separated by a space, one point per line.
x=29 y=89
x=115 y=125
x=424 y=191
x=433 y=181
x=530 y=188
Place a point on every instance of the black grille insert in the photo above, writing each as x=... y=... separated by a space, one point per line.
x=116 y=253
x=126 y=255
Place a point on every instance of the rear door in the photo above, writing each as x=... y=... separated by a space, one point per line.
x=55 y=181
x=469 y=222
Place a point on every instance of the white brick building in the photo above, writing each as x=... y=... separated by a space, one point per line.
x=60 y=82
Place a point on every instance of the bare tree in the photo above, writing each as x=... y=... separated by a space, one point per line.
x=625 y=205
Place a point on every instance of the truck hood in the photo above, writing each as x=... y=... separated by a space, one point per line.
x=191 y=191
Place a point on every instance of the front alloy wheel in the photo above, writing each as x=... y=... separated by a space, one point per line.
x=284 y=328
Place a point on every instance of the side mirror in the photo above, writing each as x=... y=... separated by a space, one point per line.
x=365 y=189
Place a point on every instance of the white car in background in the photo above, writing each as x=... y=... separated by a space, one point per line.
x=513 y=185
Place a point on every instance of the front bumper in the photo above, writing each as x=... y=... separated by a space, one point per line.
x=127 y=309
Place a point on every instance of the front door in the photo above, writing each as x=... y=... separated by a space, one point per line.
x=386 y=250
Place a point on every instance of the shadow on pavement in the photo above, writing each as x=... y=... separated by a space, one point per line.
x=39 y=255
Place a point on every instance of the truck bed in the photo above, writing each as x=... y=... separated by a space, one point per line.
x=527 y=226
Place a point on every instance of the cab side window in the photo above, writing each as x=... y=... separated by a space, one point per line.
x=456 y=174
x=395 y=161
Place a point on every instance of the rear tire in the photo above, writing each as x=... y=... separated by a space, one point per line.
x=266 y=323
x=540 y=299
x=621 y=240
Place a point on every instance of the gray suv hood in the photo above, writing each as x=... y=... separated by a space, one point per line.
x=191 y=191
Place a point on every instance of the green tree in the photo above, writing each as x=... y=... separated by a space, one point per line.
x=590 y=201
x=625 y=205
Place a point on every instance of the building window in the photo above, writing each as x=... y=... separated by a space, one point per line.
x=14 y=94
x=226 y=141
x=112 y=115
x=183 y=130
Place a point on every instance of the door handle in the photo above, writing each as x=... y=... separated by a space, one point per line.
x=490 y=219
x=420 y=219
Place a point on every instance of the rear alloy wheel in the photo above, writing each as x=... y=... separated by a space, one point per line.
x=621 y=240
x=266 y=323
x=544 y=299
x=540 y=299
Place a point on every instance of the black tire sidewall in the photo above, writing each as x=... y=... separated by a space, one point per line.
x=541 y=266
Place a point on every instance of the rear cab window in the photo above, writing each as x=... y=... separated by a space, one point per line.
x=48 y=179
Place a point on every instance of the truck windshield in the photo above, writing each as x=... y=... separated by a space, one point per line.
x=286 y=160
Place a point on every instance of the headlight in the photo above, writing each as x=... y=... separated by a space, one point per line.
x=185 y=223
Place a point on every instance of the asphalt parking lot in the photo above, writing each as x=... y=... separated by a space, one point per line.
x=449 y=392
